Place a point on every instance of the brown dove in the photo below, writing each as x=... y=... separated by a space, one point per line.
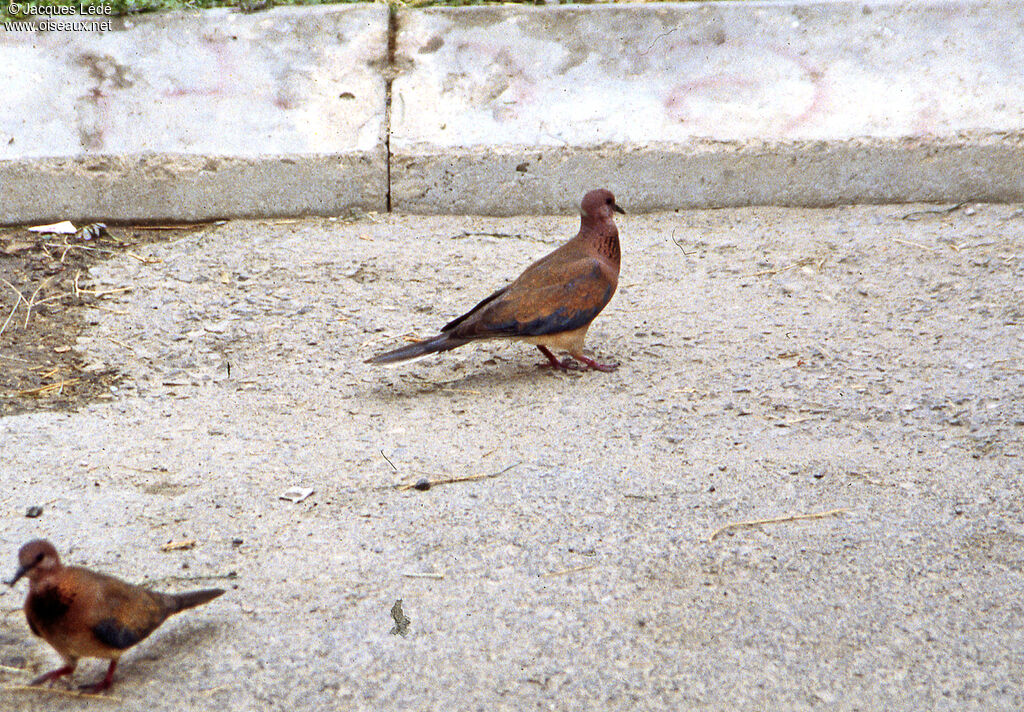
x=552 y=303
x=84 y=614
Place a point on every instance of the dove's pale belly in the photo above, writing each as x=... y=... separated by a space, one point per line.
x=569 y=341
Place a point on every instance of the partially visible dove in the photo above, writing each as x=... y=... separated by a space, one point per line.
x=552 y=303
x=84 y=614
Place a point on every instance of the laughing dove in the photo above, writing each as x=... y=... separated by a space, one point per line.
x=552 y=303
x=84 y=614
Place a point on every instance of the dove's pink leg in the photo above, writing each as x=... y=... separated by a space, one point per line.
x=53 y=675
x=566 y=365
x=106 y=682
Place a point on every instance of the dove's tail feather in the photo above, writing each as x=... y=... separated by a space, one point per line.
x=441 y=342
x=180 y=601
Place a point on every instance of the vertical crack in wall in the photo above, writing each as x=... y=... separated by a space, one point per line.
x=389 y=77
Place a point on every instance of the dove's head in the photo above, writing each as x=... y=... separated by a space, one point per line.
x=35 y=560
x=597 y=207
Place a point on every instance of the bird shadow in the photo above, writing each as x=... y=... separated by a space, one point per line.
x=169 y=644
x=18 y=652
x=488 y=377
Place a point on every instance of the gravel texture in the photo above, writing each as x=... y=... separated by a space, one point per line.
x=774 y=362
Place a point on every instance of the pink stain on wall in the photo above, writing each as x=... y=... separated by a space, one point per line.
x=779 y=114
x=815 y=75
x=499 y=61
x=677 y=102
x=224 y=71
x=928 y=116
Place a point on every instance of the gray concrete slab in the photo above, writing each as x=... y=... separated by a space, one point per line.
x=702 y=173
x=774 y=361
x=726 y=103
x=197 y=115
x=511 y=110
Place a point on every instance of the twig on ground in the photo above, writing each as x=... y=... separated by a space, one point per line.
x=921 y=214
x=451 y=480
x=680 y=245
x=773 y=520
x=389 y=461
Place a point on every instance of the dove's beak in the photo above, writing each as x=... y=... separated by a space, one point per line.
x=22 y=570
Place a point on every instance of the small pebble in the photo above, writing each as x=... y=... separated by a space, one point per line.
x=423 y=485
x=34 y=511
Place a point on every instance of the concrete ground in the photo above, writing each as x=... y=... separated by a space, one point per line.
x=774 y=362
x=511 y=110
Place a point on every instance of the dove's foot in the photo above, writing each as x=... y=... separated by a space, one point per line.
x=565 y=365
x=569 y=364
x=592 y=364
x=53 y=675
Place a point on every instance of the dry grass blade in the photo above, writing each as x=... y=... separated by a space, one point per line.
x=911 y=243
x=122 y=344
x=18 y=301
x=119 y=312
x=67 y=247
x=32 y=300
x=104 y=292
x=183 y=545
x=58 y=691
x=573 y=570
x=774 y=520
x=799 y=263
x=423 y=575
x=183 y=226
x=143 y=260
x=214 y=690
x=48 y=389
x=680 y=245
x=164 y=580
